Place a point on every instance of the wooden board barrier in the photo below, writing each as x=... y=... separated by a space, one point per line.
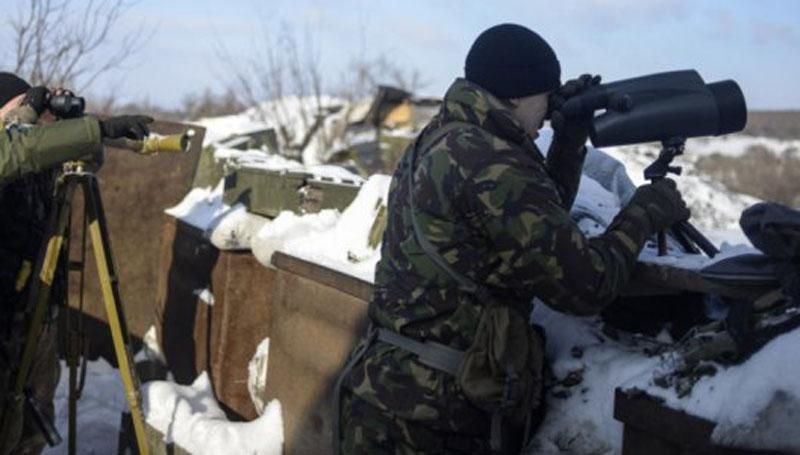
x=316 y=320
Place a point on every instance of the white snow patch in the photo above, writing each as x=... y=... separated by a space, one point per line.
x=286 y=226
x=580 y=418
x=201 y=206
x=205 y=296
x=257 y=375
x=190 y=417
x=99 y=410
x=344 y=245
x=235 y=228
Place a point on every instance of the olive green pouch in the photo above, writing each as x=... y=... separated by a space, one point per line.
x=502 y=371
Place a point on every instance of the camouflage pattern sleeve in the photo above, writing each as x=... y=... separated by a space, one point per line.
x=26 y=149
x=542 y=251
x=565 y=165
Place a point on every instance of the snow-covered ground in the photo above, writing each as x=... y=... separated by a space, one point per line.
x=187 y=415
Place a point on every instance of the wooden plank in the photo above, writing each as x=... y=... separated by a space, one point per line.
x=647 y=414
x=348 y=284
x=313 y=330
x=656 y=426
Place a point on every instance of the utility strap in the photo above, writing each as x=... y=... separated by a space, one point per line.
x=430 y=353
x=464 y=282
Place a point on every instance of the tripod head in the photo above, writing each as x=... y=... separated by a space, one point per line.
x=662 y=166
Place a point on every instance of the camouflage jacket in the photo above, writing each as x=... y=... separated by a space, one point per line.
x=26 y=149
x=486 y=198
x=28 y=158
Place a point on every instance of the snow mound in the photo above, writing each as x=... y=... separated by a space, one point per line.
x=588 y=366
x=190 y=417
x=344 y=245
x=201 y=206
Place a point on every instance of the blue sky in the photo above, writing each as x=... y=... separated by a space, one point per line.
x=756 y=43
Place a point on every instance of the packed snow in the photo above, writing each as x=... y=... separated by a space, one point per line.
x=343 y=245
x=190 y=416
x=187 y=415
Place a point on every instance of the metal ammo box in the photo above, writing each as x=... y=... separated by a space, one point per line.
x=269 y=192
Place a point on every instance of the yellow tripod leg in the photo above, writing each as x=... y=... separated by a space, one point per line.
x=39 y=297
x=116 y=319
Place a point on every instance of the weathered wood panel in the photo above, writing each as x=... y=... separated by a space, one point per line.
x=314 y=327
x=652 y=428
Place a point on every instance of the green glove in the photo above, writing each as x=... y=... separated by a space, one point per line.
x=659 y=205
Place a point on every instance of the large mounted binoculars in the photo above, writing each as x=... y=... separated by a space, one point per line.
x=660 y=107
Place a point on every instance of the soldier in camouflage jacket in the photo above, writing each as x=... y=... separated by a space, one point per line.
x=30 y=155
x=498 y=212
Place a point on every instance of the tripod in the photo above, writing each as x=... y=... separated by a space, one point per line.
x=57 y=238
x=684 y=232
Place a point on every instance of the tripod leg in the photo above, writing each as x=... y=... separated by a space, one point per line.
x=39 y=296
x=109 y=285
x=697 y=237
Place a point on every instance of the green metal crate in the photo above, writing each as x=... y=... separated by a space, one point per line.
x=268 y=192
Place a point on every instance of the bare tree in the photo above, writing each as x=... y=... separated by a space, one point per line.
x=364 y=74
x=282 y=67
x=56 y=45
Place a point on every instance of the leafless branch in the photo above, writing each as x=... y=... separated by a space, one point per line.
x=58 y=45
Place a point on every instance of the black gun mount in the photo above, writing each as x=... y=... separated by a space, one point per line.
x=684 y=232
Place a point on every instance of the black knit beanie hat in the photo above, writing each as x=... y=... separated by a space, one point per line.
x=10 y=86
x=512 y=61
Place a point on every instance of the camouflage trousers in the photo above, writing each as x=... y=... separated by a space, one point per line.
x=394 y=423
x=368 y=430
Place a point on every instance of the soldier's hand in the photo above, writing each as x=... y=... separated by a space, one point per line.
x=128 y=126
x=662 y=203
x=38 y=98
x=572 y=129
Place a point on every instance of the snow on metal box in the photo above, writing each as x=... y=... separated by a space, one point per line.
x=269 y=192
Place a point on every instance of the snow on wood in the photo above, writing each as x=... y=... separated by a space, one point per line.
x=257 y=375
x=190 y=417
